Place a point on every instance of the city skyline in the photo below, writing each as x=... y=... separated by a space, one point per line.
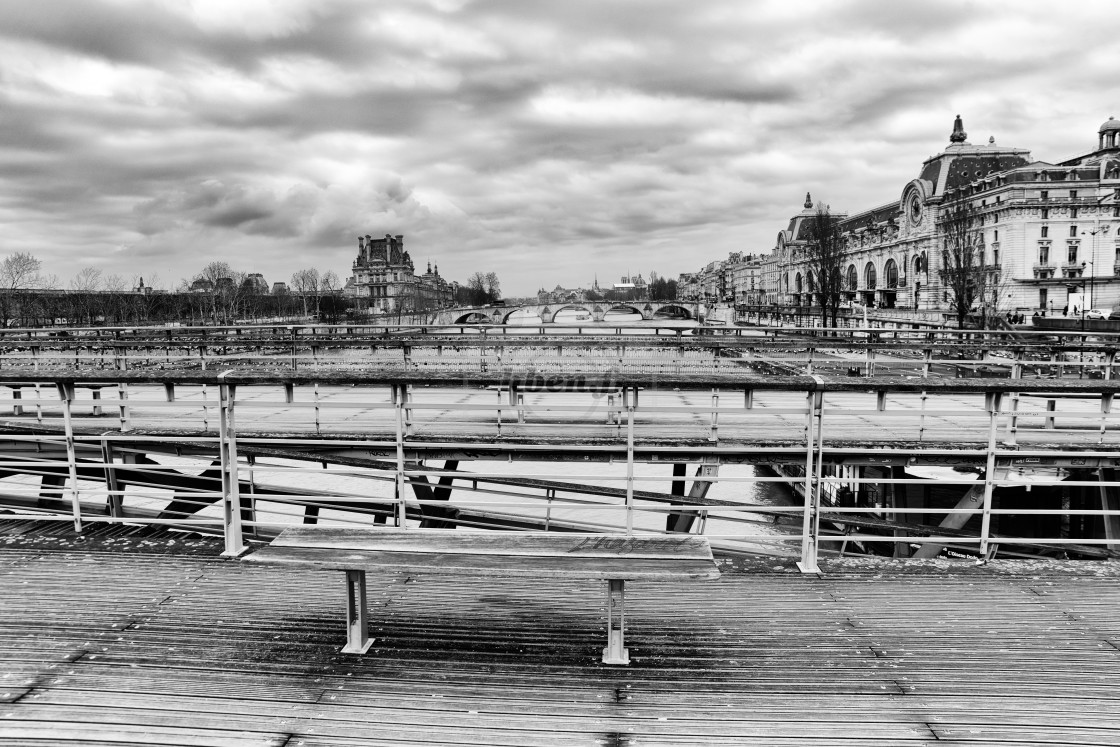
x=533 y=141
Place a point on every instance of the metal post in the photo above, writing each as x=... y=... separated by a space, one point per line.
x=629 y=462
x=357 y=624
x=399 y=393
x=205 y=411
x=811 y=520
x=406 y=399
x=316 y=392
x=713 y=435
x=992 y=405
x=66 y=395
x=115 y=502
x=125 y=410
x=616 y=651
x=231 y=486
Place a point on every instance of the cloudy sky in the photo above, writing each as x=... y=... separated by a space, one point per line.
x=545 y=141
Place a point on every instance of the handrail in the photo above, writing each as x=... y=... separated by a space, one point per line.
x=734 y=420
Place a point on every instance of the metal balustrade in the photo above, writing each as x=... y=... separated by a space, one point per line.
x=245 y=453
x=703 y=350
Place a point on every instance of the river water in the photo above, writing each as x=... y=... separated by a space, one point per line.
x=741 y=484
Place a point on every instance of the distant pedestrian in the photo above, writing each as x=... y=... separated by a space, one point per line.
x=1065 y=310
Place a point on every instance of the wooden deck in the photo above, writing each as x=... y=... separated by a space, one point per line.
x=126 y=637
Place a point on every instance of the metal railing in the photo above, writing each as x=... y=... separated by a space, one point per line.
x=247 y=453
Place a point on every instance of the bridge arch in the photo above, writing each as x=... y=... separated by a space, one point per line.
x=631 y=307
x=574 y=306
x=684 y=311
x=472 y=317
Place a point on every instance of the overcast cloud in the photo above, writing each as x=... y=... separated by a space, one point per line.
x=545 y=141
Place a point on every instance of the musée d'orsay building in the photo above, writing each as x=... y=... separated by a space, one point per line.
x=1048 y=231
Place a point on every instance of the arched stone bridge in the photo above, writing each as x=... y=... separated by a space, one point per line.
x=596 y=310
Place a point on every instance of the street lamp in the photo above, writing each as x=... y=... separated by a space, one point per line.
x=1083 y=303
x=1093 y=257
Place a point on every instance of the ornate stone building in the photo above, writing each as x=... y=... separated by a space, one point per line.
x=385 y=278
x=1047 y=232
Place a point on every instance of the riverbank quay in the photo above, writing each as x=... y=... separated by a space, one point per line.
x=129 y=635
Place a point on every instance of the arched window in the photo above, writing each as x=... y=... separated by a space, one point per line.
x=869 y=276
x=809 y=284
x=853 y=278
x=797 y=283
x=917 y=265
x=890 y=270
x=925 y=263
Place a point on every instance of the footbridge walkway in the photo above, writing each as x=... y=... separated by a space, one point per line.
x=920 y=554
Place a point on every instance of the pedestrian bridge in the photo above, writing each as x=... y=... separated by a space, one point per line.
x=596 y=311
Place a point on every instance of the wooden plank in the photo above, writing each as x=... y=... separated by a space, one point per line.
x=57 y=732
x=573 y=567
x=533 y=544
x=126 y=648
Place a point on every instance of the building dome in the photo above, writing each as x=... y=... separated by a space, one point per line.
x=1109 y=135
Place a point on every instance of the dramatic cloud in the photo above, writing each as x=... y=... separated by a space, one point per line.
x=548 y=142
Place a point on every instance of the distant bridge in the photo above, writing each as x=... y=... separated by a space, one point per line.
x=597 y=311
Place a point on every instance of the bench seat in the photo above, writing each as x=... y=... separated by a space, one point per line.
x=538 y=555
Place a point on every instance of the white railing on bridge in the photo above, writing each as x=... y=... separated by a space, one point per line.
x=245 y=454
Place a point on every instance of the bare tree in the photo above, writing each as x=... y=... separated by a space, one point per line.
x=218 y=277
x=476 y=285
x=329 y=282
x=962 y=257
x=825 y=264
x=493 y=287
x=18 y=272
x=306 y=283
x=88 y=279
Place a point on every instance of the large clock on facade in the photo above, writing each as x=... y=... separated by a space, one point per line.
x=914 y=208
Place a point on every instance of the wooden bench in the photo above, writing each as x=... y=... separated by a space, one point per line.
x=536 y=555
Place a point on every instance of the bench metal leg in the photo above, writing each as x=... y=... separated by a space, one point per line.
x=616 y=652
x=357 y=624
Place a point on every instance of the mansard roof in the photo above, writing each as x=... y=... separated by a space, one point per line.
x=885 y=214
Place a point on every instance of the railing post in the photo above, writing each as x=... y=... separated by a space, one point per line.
x=125 y=410
x=810 y=526
x=629 y=459
x=115 y=502
x=316 y=391
x=66 y=395
x=399 y=394
x=406 y=399
x=231 y=485
x=205 y=410
x=713 y=435
x=992 y=402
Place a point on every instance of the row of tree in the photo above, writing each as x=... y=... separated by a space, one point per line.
x=481 y=289
x=217 y=294
x=225 y=295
